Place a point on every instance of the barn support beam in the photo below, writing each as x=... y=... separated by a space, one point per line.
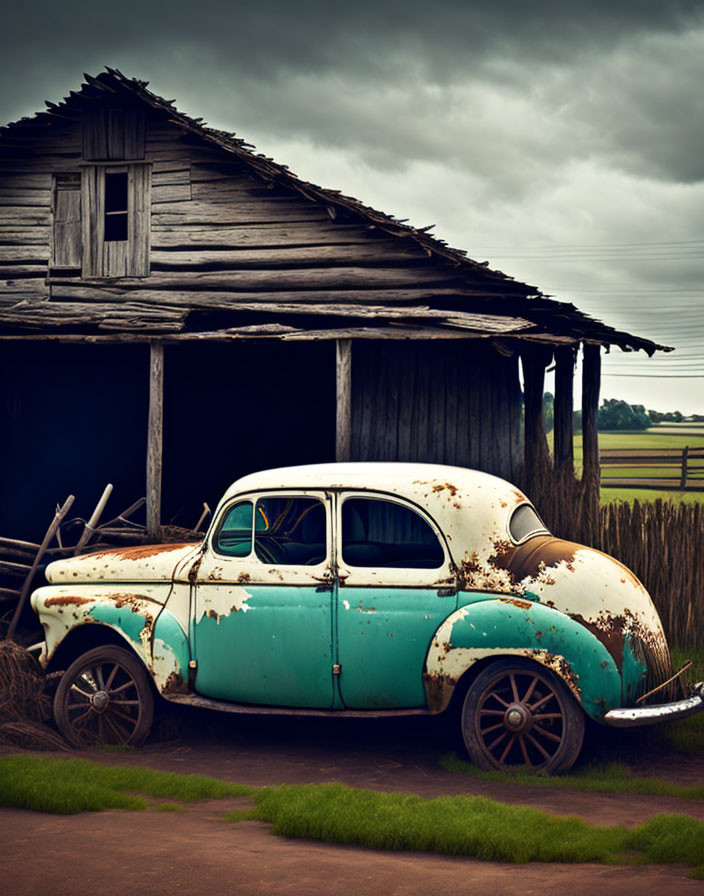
x=536 y=455
x=155 y=433
x=343 y=354
x=564 y=410
x=591 y=377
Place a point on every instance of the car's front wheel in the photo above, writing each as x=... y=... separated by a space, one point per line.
x=518 y=715
x=104 y=697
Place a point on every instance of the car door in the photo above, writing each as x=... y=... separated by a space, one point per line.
x=262 y=609
x=395 y=587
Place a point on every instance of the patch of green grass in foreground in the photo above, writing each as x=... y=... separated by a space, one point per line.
x=612 y=778
x=686 y=735
x=467 y=826
x=460 y=825
x=68 y=786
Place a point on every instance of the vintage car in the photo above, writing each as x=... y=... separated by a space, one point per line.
x=363 y=589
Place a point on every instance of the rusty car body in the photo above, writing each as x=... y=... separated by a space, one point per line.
x=358 y=589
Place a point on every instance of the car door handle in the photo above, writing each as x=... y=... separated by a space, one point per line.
x=326 y=587
x=447 y=592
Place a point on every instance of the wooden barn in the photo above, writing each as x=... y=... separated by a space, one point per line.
x=177 y=310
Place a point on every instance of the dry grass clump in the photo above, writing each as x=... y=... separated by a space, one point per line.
x=24 y=706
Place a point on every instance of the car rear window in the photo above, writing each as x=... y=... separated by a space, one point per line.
x=385 y=534
x=525 y=522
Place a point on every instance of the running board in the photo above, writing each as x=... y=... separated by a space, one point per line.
x=250 y=709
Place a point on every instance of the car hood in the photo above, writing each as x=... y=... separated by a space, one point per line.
x=143 y=563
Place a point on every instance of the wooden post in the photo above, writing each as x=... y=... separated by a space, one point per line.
x=564 y=376
x=591 y=376
x=683 y=474
x=534 y=362
x=591 y=475
x=344 y=399
x=155 y=438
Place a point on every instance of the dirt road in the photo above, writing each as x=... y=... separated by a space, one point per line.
x=194 y=851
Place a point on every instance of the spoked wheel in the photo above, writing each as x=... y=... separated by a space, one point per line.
x=518 y=715
x=104 y=697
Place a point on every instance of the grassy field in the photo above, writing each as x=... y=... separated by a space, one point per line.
x=672 y=436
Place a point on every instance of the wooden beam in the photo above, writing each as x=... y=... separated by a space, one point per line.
x=591 y=376
x=534 y=362
x=564 y=406
x=344 y=399
x=155 y=438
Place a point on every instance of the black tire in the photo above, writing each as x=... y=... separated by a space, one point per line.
x=519 y=715
x=104 y=697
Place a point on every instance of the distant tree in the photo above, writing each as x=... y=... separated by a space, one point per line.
x=576 y=421
x=615 y=413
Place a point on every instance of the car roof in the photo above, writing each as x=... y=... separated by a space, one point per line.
x=415 y=481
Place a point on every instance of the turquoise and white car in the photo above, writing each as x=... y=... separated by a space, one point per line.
x=363 y=589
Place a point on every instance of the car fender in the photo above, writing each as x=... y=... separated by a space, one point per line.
x=141 y=619
x=510 y=626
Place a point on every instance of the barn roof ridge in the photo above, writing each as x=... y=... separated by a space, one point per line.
x=564 y=318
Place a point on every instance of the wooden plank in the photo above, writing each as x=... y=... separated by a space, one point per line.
x=68 y=233
x=534 y=362
x=13 y=235
x=13 y=215
x=155 y=439
x=25 y=198
x=564 y=410
x=312 y=256
x=92 y=205
x=245 y=236
x=28 y=253
x=591 y=377
x=139 y=187
x=333 y=278
x=343 y=429
x=168 y=193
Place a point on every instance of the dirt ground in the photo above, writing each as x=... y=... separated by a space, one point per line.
x=195 y=851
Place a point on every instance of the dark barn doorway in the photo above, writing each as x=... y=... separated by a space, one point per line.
x=74 y=418
x=234 y=408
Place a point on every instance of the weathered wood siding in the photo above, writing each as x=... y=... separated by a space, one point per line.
x=455 y=403
x=217 y=233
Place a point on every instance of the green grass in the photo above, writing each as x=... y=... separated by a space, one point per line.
x=467 y=826
x=69 y=786
x=334 y=813
x=615 y=777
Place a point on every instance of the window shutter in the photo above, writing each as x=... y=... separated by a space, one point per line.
x=139 y=187
x=116 y=257
x=67 y=222
x=93 y=199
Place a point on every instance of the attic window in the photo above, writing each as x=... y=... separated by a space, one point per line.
x=116 y=203
x=115 y=206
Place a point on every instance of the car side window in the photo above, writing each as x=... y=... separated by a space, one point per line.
x=386 y=534
x=290 y=531
x=234 y=538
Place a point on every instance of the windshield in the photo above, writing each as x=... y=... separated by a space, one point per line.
x=524 y=523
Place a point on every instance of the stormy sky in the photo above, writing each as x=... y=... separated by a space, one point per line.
x=562 y=142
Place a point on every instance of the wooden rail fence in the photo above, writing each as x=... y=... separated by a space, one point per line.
x=683 y=468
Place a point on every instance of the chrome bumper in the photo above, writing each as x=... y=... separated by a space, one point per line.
x=651 y=715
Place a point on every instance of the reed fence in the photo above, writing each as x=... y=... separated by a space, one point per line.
x=663 y=544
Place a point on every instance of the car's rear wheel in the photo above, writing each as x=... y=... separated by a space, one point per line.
x=104 y=697
x=518 y=715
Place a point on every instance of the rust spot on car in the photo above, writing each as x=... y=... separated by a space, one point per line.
x=213 y=614
x=140 y=551
x=174 y=684
x=522 y=604
x=193 y=571
x=66 y=600
x=243 y=578
x=215 y=575
x=442 y=486
x=438 y=690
